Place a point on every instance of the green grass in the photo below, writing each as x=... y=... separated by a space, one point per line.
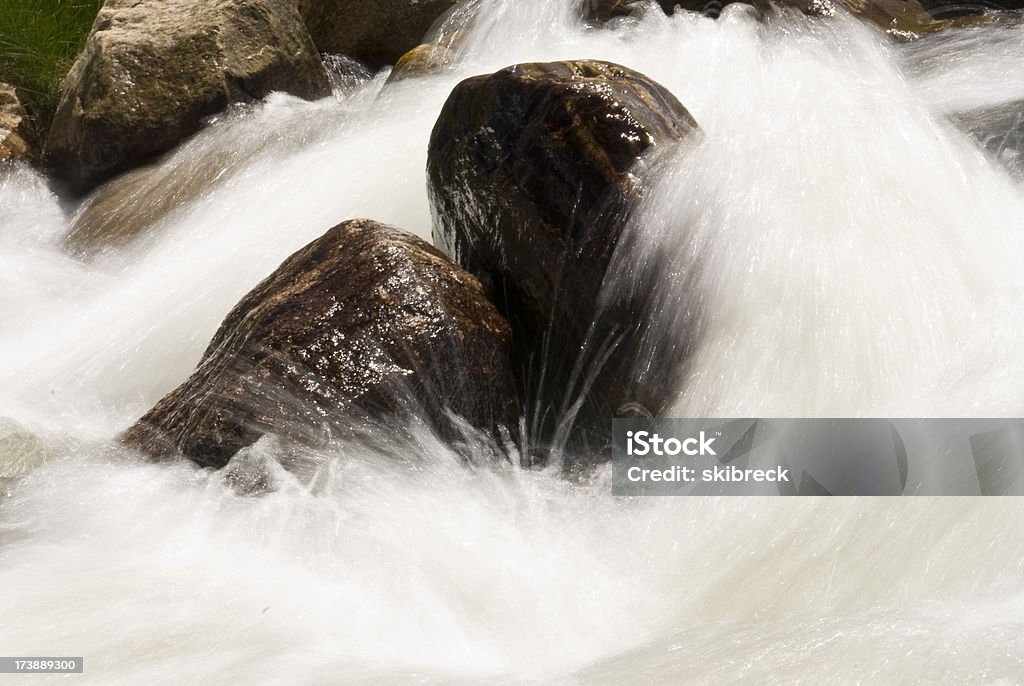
x=39 y=40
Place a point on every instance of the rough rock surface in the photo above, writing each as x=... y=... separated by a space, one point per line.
x=360 y=324
x=529 y=173
x=17 y=135
x=378 y=32
x=152 y=70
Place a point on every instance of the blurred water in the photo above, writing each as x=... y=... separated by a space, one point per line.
x=843 y=243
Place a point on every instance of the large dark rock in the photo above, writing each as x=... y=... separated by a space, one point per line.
x=529 y=174
x=365 y=323
x=17 y=135
x=376 y=32
x=153 y=70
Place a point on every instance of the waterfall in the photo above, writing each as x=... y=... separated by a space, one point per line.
x=845 y=239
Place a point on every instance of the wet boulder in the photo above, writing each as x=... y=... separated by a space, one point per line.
x=433 y=57
x=377 y=33
x=427 y=59
x=17 y=135
x=365 y=324
x=531 y=176
x=422 y=60
x=153 y=70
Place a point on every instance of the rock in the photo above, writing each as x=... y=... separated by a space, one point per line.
x=377 y=33
x=431 y=58
x=422 y=60
x=904 y=18
x=1000 y=130
x=603 y=10
x=130 y=206
x=152 y=70
x=363 y=323
x=954 y=8
x=529 y=174
x=17 y=135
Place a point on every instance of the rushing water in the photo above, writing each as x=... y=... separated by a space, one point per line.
x=846 y=236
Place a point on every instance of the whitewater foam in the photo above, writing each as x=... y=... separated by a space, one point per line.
x=840 y=247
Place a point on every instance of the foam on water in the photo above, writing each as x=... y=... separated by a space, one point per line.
x=419 y=570
x=839 y=245
x=839 y=248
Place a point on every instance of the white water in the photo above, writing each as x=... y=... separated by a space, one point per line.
x=859 y=255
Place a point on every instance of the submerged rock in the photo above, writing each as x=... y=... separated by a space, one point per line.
x=1000 y=130
x=366 y=322
x=378 y=32
x=529 y=173
x=953 y=8
x=423 y=60
x=433 y=57
x=603 y=10
x=152 y=70
x=903 y=18
x=132 y=205
x=17 y=135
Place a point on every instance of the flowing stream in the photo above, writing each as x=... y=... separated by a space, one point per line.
x=846 y=237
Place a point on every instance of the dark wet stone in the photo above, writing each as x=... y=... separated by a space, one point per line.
x=529 y=174
x=365 y=324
